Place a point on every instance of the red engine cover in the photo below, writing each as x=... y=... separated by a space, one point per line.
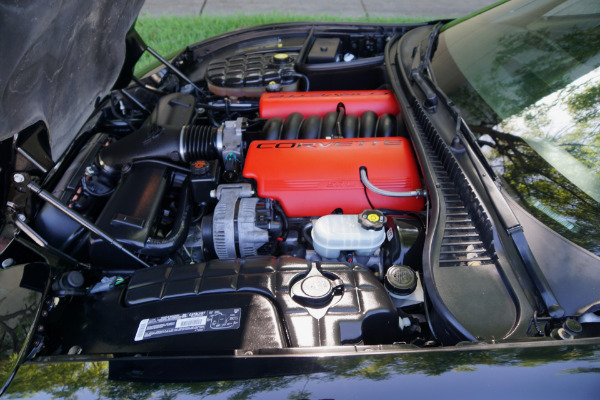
x=314 y=177
x=320 y=103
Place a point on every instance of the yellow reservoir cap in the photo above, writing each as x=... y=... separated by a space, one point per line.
x=373 y=217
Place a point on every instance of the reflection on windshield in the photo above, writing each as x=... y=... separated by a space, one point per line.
x=528 y=84
x=565 y=133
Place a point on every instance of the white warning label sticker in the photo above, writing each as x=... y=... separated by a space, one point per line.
x=200 y=321
x=390 y=234
x=182 y=323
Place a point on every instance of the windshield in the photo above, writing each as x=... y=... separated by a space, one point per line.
x=526 y=76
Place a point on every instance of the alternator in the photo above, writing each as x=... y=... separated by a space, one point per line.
x=241 y=224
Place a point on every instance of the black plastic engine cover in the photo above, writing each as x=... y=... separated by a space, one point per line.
x=51 y=223
x=214 y=324
x=130 y=213
x=360 y=313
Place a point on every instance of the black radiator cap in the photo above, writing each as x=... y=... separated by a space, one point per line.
x=401 y=280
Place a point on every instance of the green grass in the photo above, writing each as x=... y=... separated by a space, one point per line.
x=168 y=35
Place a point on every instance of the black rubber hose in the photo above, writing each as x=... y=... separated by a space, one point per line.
x=284 y=220
x=149 y=88
x=163 y=246
x=306 y=233
x=199 y=142
x=298 y=75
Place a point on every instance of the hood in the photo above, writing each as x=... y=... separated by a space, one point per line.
x=58 y=57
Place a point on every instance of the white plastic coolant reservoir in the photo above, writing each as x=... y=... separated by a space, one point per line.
x=334 y=233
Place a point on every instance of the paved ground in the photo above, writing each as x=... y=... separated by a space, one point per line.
x=342 y=8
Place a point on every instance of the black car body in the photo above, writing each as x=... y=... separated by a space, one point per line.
x=341 y=203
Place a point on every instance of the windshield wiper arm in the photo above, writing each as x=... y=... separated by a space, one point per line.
x=430 y=95
x=417 y=73
x=508 y=219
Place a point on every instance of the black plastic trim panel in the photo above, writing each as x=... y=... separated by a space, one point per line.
x=362 y=312
x=467 y=231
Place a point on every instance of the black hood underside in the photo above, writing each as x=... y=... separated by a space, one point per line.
x=58 y=57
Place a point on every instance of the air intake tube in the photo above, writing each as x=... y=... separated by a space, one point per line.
x=167 y=135
x=177 y=144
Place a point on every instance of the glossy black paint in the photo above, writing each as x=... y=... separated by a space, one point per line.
x=559 y=370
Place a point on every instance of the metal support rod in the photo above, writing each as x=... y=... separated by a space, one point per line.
x=135 y=101
x=32 y=160
x=41 y=242
x=172 y=68
x=33 y=235
x=48 y=197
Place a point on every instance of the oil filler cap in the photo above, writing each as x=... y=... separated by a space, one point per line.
x=372 y=220
x=401 y=280
x=316 y=289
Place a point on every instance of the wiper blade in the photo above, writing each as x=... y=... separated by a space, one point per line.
x=508 y=219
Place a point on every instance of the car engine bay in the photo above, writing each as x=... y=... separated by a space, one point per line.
x=247 y=196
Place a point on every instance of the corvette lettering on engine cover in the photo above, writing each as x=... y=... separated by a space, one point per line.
x=315 y=177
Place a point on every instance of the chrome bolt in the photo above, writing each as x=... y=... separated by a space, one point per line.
x=75 y=350
x=19 y=178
